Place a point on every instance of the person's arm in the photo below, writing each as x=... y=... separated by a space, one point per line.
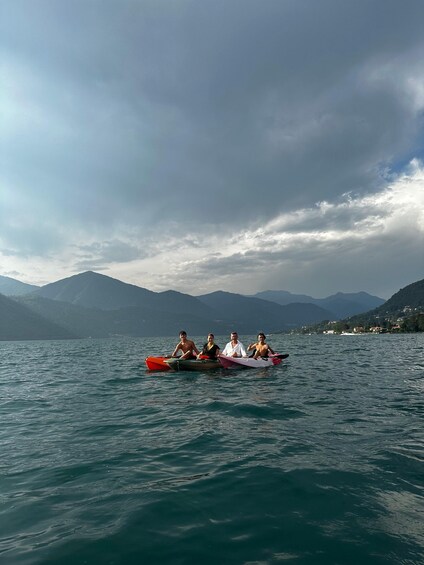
x=272 y=351
x=203 y=352
x=174 y=354
x=195 y=348
x=251 y=346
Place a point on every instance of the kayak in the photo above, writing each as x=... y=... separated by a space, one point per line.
x=157 y=363
x=250 y=362
x=177 y=364
x=162 y=363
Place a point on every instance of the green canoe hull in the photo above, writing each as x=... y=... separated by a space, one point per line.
x=193 y=364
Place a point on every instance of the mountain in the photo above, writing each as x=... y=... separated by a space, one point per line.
x=17 y=322
x=131 y=321
x=250 y=314
x=344 y=305
x=84 y=322
x=406 y=302
x=411 y=298
x=93 y=290
x=403 y=312
x=90 y=304
x=93 y=305
x=341 y=305
x=13 y=287
x=361 y=298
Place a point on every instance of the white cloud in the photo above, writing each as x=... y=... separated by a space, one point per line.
x=326 y=237
x=320 y=249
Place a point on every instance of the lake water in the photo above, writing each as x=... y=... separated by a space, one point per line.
x=317 y=461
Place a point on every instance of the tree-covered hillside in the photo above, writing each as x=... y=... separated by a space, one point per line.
x=403 y=312
x=412 y=296
x=17 y=322
x=405 y=303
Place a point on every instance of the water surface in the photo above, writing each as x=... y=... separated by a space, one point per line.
x=316 y=461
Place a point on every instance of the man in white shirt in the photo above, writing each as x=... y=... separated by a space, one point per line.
x=234 y=348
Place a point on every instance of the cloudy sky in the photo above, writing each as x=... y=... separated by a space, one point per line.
x=241 y=145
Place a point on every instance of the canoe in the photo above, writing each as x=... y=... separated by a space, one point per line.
x=177 y=364
x=157 y=363
x=250 y=362
x=162 y=363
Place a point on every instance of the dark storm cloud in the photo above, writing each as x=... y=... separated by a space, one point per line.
x=153 y=110
x=234 y=143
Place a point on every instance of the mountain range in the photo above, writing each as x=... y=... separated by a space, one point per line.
x=342 y=305
x=18 y=322
x=408 y=301
x=12 y=287
x=91 y=304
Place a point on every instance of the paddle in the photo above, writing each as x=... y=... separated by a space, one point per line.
x=275 y=356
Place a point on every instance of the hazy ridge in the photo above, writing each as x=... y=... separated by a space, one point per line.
x=93 y=305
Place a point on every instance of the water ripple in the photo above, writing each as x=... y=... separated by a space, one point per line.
x=318 y=460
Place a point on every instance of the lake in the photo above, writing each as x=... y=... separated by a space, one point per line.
x=319 y=460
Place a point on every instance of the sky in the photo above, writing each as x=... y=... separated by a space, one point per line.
x=237 y=145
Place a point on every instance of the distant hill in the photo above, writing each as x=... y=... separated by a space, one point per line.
x=340 y=305
x=13 y=287
x=403 y=312
x=412 y=296
x=17 y=322
x=84 y=322
x=250 y=314
x=90 y=304
x=93 y=290
x=132 y=321
x=406 y=302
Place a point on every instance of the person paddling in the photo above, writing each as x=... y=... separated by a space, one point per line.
x=186 y=346
x=261 y=349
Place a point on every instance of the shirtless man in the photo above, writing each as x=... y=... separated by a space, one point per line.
x=261 y=348
x=186 y=346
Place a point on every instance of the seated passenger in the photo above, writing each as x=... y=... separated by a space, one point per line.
x=186 y=346
x=261 y=349
x=210 y=349
x=234 y=348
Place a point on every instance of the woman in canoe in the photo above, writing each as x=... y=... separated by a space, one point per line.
x=261 y=349
x=210 y=349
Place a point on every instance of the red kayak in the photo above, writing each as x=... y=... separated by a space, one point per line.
x=157 y=363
